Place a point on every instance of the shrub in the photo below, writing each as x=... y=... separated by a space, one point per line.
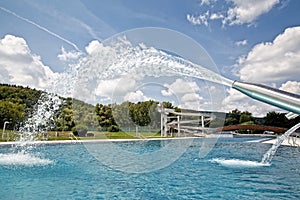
x=80 y=130
x=90 y=134
x=113 y=128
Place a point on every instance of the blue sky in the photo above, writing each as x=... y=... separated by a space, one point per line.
x=230 y=31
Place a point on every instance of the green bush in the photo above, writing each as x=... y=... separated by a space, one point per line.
x=113 y=128
x=80 y=130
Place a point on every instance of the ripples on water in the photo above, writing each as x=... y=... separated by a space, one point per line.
x=74 y=173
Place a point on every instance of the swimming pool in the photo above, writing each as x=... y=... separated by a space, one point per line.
x=69 y=171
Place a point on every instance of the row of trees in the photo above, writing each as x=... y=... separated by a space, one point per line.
x=271 y=119
x=17 y=103
x=129 y=115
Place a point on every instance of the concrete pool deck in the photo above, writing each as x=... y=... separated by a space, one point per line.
x=290 y=141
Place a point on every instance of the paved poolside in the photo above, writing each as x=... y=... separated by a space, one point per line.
x=290 y=141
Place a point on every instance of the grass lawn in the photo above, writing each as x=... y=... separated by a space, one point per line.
x=68 y=135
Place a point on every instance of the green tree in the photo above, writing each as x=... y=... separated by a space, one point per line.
x=233 y=117
x=276 y=119
x=218 y=122
x=85 y=114
x=294 y=121
x=145 y=113
x=113 y=128
x=17 y=103
x=11 y=112
x=246 y=117
x=167 y=105
x=104 y=115
x=121 y=115
x=65 y=121
x=80 y=130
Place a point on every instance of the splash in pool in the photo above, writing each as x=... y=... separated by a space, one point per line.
x=238 y=163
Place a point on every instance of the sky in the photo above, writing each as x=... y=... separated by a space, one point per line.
x=247 y=40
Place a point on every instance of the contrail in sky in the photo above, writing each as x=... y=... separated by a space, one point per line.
x=40 y=27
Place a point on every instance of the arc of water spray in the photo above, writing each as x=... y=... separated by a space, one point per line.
x=40 y=27
x=271 y=152
x=285 y=100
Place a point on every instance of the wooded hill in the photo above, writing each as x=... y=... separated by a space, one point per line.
x=17 y=103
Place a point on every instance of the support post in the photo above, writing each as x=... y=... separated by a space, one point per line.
x=165 y=125
x=162 y=121
x=178 y=125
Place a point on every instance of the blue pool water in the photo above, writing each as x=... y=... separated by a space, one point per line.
x=69 y=171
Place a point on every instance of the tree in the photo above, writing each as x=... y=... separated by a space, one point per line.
x=145 y=113
x=85 y=114
x=65 y=121
x=276 y=119
x=246 y=117
x=121 y=115
x=16 y=103
x=104 y=115
x=233 y=117
x=80 y=130
x=167 y=105
x=14 y=113
x=294 y=121
x=113 y=128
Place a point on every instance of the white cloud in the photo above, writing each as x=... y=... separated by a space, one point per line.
x=137 y=96
x=190 y=97
x=187 y=92
x=241 y=43
x=273 y=62
x=19 y=66
x=180 y=87
x=69 y=55
x=237 y=100
x=234 y=12
x=247 y=11
x=215 y=16
x=198 y=20
x=93 y=46
x=207 y=2
x=291 y=86
x=192 y=105
x=105 y=88
x=115 y=87
x=97 y=78
x=166 y=93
